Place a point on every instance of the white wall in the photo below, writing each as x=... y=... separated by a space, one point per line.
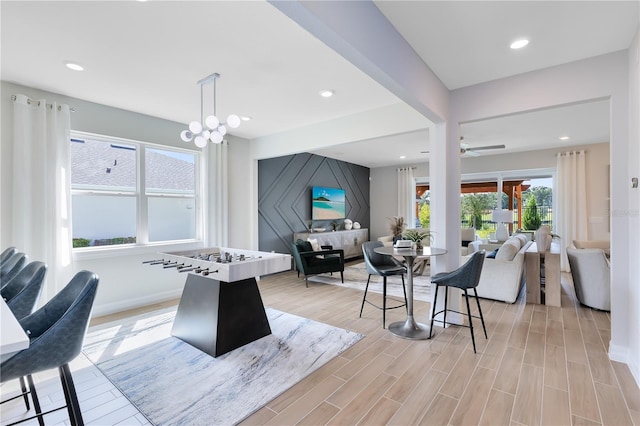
x=631 y=293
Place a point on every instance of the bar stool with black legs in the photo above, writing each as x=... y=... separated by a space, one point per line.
x=385 y=266
x=6 y=254
x=465 y=277
x=56 y=333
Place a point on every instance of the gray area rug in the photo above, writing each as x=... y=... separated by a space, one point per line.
x=355 y=276
x=173 y=383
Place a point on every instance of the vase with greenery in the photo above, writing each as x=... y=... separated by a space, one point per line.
x=417 y=236
x=396 y=225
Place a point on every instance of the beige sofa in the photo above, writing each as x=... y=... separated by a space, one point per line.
x=502 y=278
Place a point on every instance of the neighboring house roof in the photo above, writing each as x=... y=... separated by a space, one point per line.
x=103 y=164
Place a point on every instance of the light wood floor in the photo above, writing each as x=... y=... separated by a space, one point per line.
x=540 y=366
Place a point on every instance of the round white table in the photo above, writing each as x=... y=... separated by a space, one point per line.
x=409 y=328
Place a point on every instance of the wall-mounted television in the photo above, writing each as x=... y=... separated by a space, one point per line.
x=327 y=203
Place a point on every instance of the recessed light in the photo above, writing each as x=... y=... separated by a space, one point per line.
x=245 y=118
x=74 y=66
x=564 y=138
x=402 y=157
x=327 y=93
x=519 y=44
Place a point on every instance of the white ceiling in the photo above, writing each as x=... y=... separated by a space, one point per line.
x=147 y=57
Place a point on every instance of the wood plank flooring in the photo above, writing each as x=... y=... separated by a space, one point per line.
x=540 y=366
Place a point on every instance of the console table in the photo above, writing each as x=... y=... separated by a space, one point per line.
x=551 y=261
x=349 y=241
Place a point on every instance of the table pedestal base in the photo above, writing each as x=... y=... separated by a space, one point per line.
x=218 y=317
x=409 y=329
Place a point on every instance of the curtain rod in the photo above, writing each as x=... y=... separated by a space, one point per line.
x=406 y=168
x=33 y=101
x=568 y=153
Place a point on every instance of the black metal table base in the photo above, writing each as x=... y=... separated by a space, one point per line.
x=218 y=317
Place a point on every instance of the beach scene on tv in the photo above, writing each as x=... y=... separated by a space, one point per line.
x=328 y=203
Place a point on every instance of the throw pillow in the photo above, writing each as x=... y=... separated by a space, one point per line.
x=314 y=244
x=492 y=255
x=507 y=251
x=304 y=246
x=522 y=238
x=515 y=241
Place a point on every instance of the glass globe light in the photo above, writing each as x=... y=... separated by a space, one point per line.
x=212 y=122
x=186 y=136
x=205 y=134
x=215 y=137
x=222 y=130
x=200 y=142
x=195 y=127
x=233 y=121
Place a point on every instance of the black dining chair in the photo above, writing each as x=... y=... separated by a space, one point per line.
x=23 y=291
x=465 y=277
x=11 y=267
x=384 y=266
x=56 y=334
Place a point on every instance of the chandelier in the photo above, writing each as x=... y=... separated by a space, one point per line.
x=209 y=128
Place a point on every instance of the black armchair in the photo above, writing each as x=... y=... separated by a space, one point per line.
x=23 y=291
x=56 y=334
x=311 y=262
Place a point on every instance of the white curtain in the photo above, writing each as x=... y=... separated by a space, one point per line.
x=571 y=205
x=218 y=195
x=407 y=196
x=41 y=204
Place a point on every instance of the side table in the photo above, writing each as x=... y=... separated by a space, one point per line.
x=533 y=260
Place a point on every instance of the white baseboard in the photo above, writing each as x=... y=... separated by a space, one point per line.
x=110 y=308
x=622 y=354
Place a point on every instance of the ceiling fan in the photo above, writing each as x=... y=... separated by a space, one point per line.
x=468 y=151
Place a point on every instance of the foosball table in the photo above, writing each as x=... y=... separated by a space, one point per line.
x=221 y=308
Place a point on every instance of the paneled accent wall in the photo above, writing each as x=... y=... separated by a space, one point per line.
x=284 y=195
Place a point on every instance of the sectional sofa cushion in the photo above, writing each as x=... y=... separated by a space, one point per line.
x=509 y=249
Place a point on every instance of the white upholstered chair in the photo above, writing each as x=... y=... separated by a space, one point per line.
x=590 y=272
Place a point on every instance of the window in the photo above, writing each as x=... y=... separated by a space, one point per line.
x=126 y=192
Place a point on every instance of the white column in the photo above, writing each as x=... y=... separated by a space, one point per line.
x=444 y=187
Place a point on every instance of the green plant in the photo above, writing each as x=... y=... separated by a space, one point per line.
x=416 y=235
x=81 y=242
x=424 y=215
x=484 y=232
x=531 y=219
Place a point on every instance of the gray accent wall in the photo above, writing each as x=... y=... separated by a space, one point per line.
x=284 y=195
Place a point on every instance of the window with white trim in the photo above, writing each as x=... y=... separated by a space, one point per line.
x=132 y=193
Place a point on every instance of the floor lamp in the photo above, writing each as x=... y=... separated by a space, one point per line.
x=501 y=217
